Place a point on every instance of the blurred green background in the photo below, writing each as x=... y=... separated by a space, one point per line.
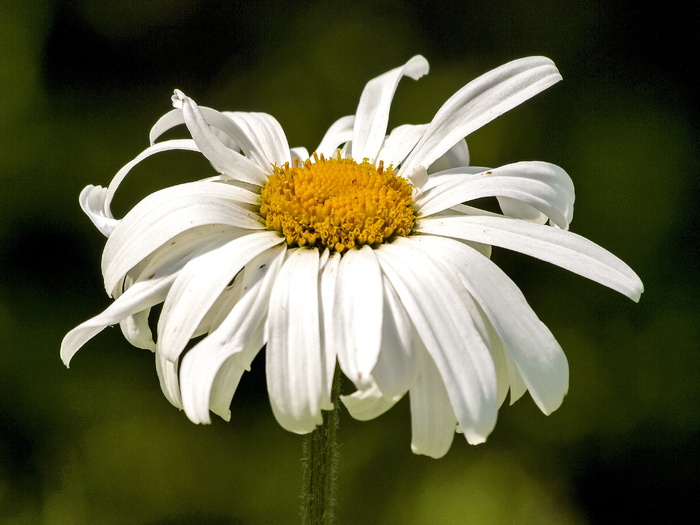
x=83 y=81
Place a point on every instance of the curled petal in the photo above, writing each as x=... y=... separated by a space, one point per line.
x=93 y=201
x=372 y=114
x=223 y=158
x=540 y=185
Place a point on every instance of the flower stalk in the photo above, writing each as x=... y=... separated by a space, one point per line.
x=320 y=462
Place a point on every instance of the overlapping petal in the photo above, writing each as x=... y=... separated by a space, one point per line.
x=448 y=333
x=223 y=158
x=540 y=185
x=198 y=285
x=537 y=355
x=478 y=103
x=372 y=114
x=566 y=249
x=166 y=213
x=429 y=315
x=203 y=363
x=357 y=315
x=295 y=375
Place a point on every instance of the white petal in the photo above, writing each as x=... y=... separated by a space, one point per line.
x=136 y=330
x=358 y=314
x=169 y=145
x=339 y=133
x=201 y=366
x=568 y=250
x=479 y=102
x=168 y=378
x=198 y=285
x=399 y=143
x=519 y=210
x=223 y=158
x=293 y=355
x=448 y=332
x=266 y=135
x=300 y=153
x=396 y=366
x=517 y=385
x=433 y=422
x=93 y=202
x=368 y=404
x=372 y=114
x=329 y=351
x=140 y=296
x=456 y=156
x=166 y=213
x=529 y=343
x=541 y=185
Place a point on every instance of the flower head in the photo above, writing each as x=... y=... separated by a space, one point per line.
x=361 y=254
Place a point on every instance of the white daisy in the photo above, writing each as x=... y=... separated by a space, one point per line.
x=360 y=254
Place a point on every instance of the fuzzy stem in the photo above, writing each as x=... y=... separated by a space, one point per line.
x=320 y=460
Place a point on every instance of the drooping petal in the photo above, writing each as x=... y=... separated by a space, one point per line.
x=433 y=421
x=329 y=351
x=202 y=364
x=167 y=213
x=140 y=296
x=168 y=379
x=566 y=249
x=338 y=134
x=136 y=330
x=372 y=114
x=445 y=326
x=478 y=103
x=169 y=145
x=396 y=367
x=357 y=319
x=541 y=185
x=93 y=201
x=198 y=285
x=223 y=158
x=529 y=343
x=293 y=355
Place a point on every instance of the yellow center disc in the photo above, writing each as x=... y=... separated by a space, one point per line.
x=337 y=204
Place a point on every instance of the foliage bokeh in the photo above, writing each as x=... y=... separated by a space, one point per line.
x=82 y=84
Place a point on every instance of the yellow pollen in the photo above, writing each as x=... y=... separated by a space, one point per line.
x=337 y=203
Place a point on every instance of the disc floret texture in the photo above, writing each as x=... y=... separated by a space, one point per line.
x=337 y=204
x=365 y=254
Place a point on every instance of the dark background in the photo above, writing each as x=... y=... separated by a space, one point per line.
x=83 y=81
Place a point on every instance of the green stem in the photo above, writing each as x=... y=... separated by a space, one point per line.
x=320 y=460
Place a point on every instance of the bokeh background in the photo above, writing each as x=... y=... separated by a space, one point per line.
x=83 y=81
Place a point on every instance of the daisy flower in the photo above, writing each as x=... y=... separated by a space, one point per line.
x=361 y=254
